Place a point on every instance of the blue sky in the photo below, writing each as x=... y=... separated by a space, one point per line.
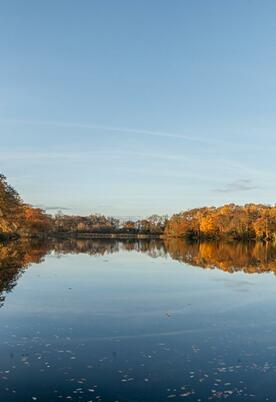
x=130 y=108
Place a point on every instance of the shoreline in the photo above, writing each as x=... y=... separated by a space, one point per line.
x=122 y=236
x=94 y=235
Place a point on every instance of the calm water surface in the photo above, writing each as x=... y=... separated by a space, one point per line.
x=147 y=321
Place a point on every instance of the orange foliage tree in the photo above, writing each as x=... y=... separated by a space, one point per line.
x=251 y=221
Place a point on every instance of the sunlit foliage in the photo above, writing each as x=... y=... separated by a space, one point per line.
x=251 y=221
x=17 y=218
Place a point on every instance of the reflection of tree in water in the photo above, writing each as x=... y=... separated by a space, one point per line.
x=154 y=248
x=253 y=257
x=87 y=246
x=100 y=247
x=230 y=257
x=15 y=257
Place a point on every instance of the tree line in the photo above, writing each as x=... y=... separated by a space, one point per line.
x=248 y=222
x=251 y=221
x=100 y=224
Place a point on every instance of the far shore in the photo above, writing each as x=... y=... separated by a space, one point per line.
x=121 y=236
x=94 y=235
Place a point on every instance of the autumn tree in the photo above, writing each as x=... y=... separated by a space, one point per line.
x=10 y=207
x=17 y=218
x=250 y=221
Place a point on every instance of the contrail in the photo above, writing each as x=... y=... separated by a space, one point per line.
x=109 y=128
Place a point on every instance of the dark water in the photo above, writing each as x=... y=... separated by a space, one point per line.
x=137 y=321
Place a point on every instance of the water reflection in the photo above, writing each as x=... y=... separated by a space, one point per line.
x=125 y=327
x=15 y=257
x=229 y=257
x=255 y=257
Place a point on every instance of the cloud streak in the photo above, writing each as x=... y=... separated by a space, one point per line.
x=52 y=208
x=237 y=186
x=118 y=130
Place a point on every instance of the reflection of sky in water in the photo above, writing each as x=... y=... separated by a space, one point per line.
x=128 y=327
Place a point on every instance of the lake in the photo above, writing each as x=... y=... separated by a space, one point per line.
x=100 y=320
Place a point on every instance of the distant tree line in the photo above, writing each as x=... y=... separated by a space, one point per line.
x=97 y=223
x=251 y=221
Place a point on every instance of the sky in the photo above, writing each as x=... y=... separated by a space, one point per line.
x=129 y=108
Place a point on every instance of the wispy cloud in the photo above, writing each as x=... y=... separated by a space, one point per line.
x=127 y=130
x=52 y=208
x=237 y=186
x=110 y=153
x=37 y=156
